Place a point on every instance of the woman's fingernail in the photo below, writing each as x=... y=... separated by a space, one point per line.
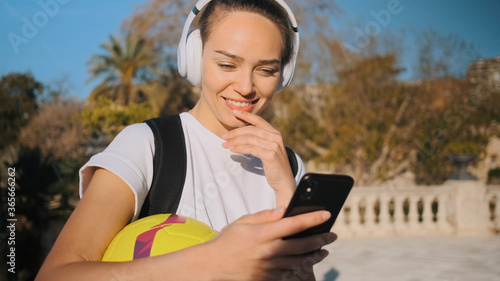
x=236 y=111
x=326 y=215
x=224 y=145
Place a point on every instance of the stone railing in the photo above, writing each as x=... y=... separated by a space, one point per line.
x=458 y=208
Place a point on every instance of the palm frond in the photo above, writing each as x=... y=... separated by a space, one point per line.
x=121 y=63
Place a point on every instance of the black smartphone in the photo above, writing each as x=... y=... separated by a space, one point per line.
x=319 y=192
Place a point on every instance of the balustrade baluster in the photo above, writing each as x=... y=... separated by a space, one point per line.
x=496 y=219
x=427 y=212
x=413 y=211
x=370 y=212
x=384 y=220
x=441 y=209
x=341 y=218
x=399 y=216
x=354 y=216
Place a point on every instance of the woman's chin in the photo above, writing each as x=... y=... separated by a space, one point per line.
x=231 y=122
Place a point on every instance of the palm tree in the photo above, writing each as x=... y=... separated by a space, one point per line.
x=120 y=66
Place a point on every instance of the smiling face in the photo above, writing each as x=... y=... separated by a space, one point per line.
x=241 y=70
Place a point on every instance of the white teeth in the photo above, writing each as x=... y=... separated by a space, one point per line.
x=237 y=103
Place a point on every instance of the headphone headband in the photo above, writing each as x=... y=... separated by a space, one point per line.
x=190 y=43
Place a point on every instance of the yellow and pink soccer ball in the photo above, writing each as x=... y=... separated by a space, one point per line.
x=156 y=235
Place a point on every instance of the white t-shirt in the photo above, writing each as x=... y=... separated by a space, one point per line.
x=220 y=185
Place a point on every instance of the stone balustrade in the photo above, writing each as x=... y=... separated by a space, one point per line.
x=458 y=208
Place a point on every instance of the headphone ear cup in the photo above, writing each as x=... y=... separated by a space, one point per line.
x=289 y=68
x=286 y=75
x=193 y=57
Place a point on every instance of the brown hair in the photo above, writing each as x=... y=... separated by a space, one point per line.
x=270 y=9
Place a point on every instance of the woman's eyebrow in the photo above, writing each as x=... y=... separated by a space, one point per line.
x=234 y=57
x=239 y=59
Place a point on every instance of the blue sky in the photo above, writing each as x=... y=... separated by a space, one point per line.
x=67 y=34
x=477 y=21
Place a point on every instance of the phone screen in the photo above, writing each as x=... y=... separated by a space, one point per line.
x=319 y=192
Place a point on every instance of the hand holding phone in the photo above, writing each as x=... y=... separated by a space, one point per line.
x=319 y=192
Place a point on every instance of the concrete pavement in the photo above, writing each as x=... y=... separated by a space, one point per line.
x=412 y=259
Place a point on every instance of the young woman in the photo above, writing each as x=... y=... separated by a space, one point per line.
x=247 y=45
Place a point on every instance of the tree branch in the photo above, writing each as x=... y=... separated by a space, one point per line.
x=385 y=146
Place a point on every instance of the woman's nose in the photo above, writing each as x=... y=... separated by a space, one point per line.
x=244 y=83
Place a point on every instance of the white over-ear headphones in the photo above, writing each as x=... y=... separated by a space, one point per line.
x=190 y=48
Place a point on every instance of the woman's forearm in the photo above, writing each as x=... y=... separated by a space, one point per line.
x=186 y=264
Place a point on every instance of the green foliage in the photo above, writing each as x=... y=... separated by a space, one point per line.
x=39 y=140
x=457 y=147
x=169 y=94
x=37 y=184
x=284 y=113
x=349 y=123
x=454 y=122
x=375 y=127
x=18 y=104
x=110 y=118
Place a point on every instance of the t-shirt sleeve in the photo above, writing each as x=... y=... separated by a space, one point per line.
x=130 y=157
x=301 y=169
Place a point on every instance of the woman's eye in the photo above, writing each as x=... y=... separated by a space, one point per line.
x=269 y=71
x=226 y=66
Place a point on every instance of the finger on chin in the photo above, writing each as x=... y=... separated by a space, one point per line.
x=252 y=119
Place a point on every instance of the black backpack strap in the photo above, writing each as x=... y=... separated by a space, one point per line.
x=169 y=165
x=293 y=160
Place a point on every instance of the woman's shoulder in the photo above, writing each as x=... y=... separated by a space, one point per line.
x=134 y=134
x=137 y=128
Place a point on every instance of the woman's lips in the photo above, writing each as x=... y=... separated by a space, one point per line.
x=243 y=106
